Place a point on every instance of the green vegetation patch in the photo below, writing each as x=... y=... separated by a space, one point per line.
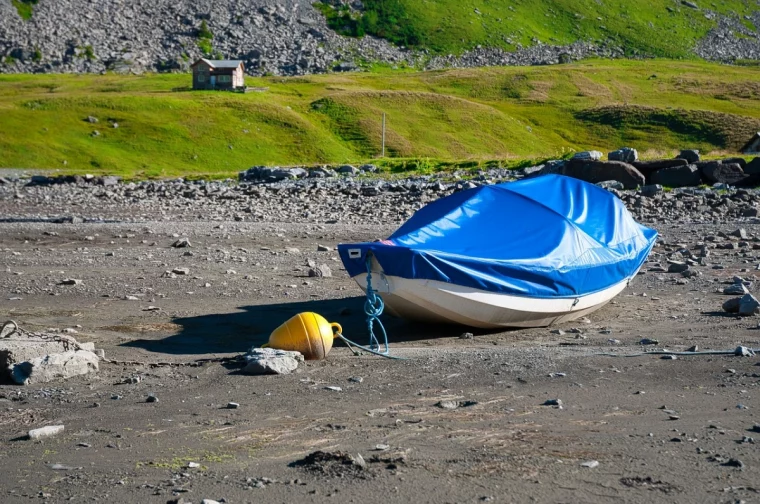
x=665 y=28
x=205 y=38
x=25 y=8
x=704 y=127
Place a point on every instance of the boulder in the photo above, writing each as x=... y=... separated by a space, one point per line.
x=349 y=170
x=601 y=171
x=321 y=271
x=651 y=190
x=732 y=305
x=748 y=305
x=275 y=174
x=45 y=432
x=649 y=167
x=588 y=155
x=753 y=167
x=716 y=172
x=14 y=351
x=611 y=184
x=552 y=167
x=41 y=180
x=679 y=176
x=737 y=160
x=322 y=172
x=626 y=155
x=690 y=155
x=58 y=366
x=261 y=361
x=109 y=180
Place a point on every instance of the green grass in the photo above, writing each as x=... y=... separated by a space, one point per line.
x=205 y=41
x=464 y=118
x=25 y=8
x=451 y=26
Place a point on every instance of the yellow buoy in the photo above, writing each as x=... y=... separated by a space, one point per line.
x=309 y=333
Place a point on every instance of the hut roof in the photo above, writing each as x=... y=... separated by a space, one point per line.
x=220 y=63
x=748 y=146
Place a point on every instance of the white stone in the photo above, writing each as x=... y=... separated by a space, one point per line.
x=44 y=432
x=58 y=366
x=271 y=361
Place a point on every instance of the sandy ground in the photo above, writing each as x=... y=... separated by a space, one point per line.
x=660 y=430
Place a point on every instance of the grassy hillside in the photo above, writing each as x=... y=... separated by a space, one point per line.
x=467 y=114
x=653 y=27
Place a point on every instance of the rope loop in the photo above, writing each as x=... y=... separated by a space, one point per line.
x=373 y=308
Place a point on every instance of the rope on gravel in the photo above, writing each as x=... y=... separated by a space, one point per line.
x=194 y=363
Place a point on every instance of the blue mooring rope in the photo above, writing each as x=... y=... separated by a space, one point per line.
x=373 y=308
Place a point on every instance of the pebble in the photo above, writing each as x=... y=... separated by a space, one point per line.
x=450 y=405
x=591 y=464
x=233 y=405
x=334 y=389
x=151 y=398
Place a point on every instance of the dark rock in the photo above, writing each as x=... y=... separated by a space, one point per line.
x=651 y=190
x=732 y=305
x=601 y=171
x=748 y=305
x=677 y=267
x=735 y=160
x=649 y=167
x=690 y=155
x=626 y=155
x=348 y=170
x=680 y=176
x=717 y=172
x=753 y=167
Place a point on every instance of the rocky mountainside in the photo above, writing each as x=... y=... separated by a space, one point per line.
x=272 y=36
x=277 y=37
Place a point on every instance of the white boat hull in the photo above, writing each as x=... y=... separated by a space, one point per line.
x=441 y=302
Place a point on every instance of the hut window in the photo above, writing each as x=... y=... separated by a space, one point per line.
x=201 y=77
x=225 y=78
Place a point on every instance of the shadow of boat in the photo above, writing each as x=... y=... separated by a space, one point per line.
x=251 y=326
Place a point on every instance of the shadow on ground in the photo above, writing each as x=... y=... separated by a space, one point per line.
x=252 y=325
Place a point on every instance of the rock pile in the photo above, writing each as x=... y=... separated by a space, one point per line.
x=686 y=170
x=324 y=195
x=288 y=37
x=731 y=40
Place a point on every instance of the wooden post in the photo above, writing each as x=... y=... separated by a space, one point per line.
x=383 y=135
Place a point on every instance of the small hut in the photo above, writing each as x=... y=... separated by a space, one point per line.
x=753 y=146
x=218 y=74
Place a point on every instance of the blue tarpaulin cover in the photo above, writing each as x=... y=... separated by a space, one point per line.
x=547 y=237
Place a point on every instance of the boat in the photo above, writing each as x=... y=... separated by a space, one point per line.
x=530 y=253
